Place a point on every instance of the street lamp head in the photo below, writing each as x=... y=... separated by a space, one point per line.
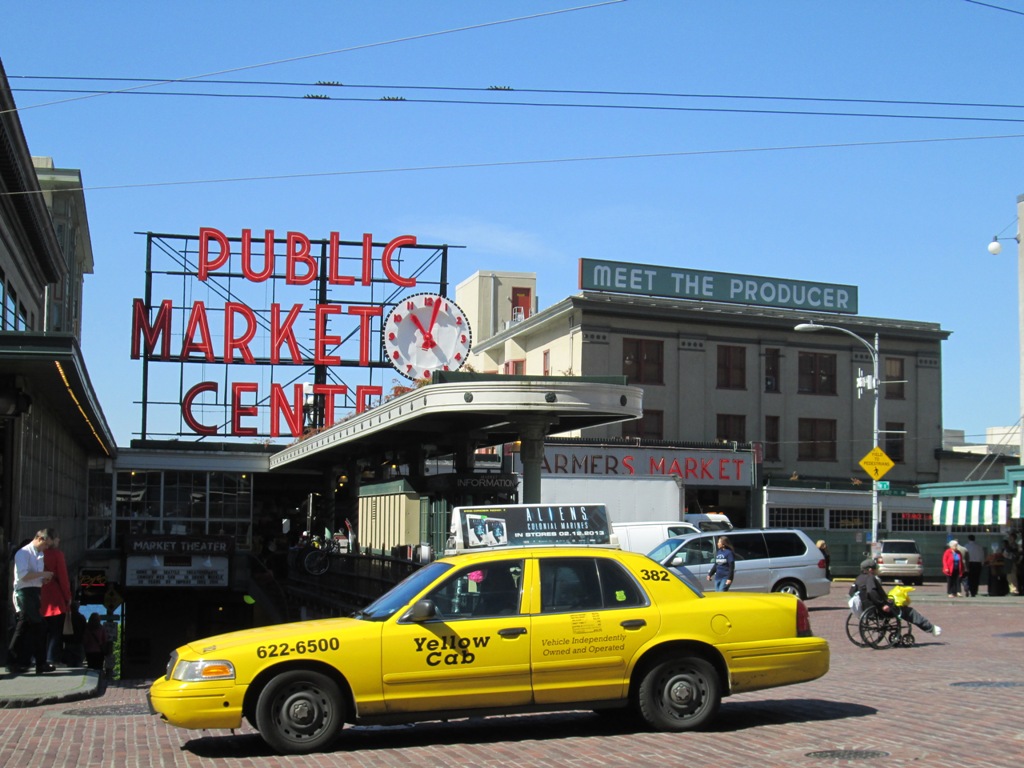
x=808 y=327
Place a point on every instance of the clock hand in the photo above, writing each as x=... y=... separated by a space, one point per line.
x=433 y=315
x=428 y=340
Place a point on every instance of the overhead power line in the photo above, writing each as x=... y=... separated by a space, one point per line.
x=513 y=163
x=304 y=57
x=501 y=92
x=331 y=84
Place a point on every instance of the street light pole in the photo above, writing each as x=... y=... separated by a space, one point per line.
x=995 y=248
x=873 y=386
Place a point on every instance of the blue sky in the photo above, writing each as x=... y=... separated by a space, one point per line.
x=896 y=205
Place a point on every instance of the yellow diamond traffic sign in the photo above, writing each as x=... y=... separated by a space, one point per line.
x=876 y=463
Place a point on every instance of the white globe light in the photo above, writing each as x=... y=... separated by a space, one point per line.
x=995 y=248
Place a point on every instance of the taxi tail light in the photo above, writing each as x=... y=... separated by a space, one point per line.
x=803 y=620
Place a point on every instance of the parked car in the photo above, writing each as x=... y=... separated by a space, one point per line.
x=498 y=631
x=900 y=559
x=767 y=559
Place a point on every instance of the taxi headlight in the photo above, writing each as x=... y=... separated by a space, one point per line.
x=206 y=669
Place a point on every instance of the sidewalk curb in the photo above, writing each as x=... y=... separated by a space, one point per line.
x=54 y=691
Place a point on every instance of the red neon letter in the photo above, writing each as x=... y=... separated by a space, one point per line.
x=239 y=388
x=241 y=343
x=197 y=321
x=335 y=277
x=206 y=234
x=162 y=327
x=363 y=395
x=365 y=313
x=186 y=408
x=385 y=261
x=283 y=333
x=268 y=256
x=322 y=340
x=297 y=250
x=329 y=391
x=279 y=406
x=367 y=258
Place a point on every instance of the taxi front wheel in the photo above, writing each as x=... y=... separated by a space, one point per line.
x=300 y=711
x=679 y=694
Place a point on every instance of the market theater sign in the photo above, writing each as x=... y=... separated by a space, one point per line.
x=231 y=341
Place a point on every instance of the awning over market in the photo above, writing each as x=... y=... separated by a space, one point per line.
x=970 y=510
x=983 y=502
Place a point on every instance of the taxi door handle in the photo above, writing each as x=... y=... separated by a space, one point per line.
x=512 y=632
x=634 y=623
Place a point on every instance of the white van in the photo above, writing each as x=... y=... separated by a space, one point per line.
x=712 y=521
x=644 y=536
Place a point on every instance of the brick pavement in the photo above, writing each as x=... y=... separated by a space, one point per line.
x=905 y=703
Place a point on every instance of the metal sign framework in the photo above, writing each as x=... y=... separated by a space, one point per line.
x=245 y=346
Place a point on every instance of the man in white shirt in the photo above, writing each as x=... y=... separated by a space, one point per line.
x=29 y=638
x=975 y=560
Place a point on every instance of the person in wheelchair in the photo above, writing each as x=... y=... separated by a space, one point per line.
x=872 y=594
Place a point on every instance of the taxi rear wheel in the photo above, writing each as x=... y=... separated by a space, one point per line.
x=300 y=711
x=680 y=694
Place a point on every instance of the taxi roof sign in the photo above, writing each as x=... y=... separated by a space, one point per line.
x=526 y=525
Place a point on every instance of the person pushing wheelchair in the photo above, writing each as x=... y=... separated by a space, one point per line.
x=872 y=593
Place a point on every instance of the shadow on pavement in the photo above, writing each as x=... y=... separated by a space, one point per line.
x=493 y=730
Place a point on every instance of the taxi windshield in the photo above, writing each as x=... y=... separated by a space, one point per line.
x=403 y=593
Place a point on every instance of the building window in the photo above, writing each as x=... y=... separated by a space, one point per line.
x=642 y=361
x=912 y=521
x=180 y=503
x=732 y=427
x=796 y=517
x=849 y=519
x=817 y=440
x=546 y=364
x=895 y=379
x=649 y=426
x=732 y=367
x=515 y=367
x=817 y=374
x=771 y=370
x=771 y=438
x=895 y=441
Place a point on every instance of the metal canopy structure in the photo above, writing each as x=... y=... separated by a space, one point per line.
x=460 y=412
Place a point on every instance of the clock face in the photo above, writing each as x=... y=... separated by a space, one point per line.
x=426 y=333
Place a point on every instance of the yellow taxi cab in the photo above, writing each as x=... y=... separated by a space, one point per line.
x=502 y=629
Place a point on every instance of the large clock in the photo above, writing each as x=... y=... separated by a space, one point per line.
x=426 y=333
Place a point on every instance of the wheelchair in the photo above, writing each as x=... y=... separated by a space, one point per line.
x=874 y=628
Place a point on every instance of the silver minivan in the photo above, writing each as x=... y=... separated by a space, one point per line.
x=767 y=559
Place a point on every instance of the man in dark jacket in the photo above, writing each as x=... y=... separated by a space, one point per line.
x=872 y=593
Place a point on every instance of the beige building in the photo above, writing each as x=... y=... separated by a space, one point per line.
x=720 y=373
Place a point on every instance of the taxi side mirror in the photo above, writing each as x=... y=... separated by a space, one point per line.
x=423 y=610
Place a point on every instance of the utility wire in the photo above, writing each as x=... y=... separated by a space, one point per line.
x=510 y=89
x=514 y=163
x=559 y=105
x=304 y=57
x=994 y=7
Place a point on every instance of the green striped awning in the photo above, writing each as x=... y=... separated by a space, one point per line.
x=970 y=510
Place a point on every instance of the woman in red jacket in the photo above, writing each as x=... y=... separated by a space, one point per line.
x=55 y=601
x=954 y=567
